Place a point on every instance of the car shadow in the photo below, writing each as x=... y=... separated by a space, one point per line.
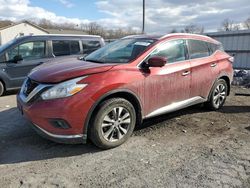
x=19 y=143
x=11 y=92
x=235 y=109
x=165 y=117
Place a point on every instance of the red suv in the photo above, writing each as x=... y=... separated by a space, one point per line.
x=114 y=88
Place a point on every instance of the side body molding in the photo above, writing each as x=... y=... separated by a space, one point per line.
x=176 y=106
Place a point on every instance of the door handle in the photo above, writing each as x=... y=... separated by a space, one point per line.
x=213 y=65
x=186 y=73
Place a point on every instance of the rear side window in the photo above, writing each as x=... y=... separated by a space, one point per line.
x=28 y=50
x=213 y=47
x=174 y=51
x=61 y=47
x=197 y=49
x=90 y=46
x=74 y=47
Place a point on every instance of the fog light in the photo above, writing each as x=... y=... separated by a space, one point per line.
x=59 y=123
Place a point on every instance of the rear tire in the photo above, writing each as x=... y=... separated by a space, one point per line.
x=1 y=88
x=113 y=124
x=218 y=95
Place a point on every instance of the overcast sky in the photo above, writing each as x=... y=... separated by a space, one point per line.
x=161 y=15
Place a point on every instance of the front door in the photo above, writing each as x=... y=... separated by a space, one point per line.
x=33 y=54
x=167 y=87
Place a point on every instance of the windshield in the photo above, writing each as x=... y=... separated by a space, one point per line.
x=3 y=47
x=120 y=51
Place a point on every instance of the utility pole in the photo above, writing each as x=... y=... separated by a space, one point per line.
x=143 y=17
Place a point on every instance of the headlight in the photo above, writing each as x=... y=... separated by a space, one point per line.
x=64 y=89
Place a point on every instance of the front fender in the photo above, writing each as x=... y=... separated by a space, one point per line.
x=114 y=93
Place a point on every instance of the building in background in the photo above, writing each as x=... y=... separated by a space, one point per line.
x=20 y=29
x=25 y=28
x=236 y=43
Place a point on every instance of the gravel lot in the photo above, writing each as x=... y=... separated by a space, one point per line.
x=188 y=148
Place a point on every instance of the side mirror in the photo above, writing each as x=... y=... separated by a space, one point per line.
x=157 y=61
x=17 y=58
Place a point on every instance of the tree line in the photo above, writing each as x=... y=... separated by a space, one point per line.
x=226 y=25
x=93 y=28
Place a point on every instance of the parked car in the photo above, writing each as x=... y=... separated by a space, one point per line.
x=118 y=86
x=20 y=55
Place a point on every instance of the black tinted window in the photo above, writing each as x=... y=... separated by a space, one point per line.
x=61 y=48
x=174 y=51
x=74 y=47
x=28 y=51
x=90 y=46
x=65 y=47
x=197 y=49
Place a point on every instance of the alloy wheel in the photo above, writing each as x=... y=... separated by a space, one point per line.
x=116 y=124
x=219 y=95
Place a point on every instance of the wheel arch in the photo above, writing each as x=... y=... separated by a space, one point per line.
x=4 y=84
x=5 y=80
x=121 y=93
x=223 y=77
x=2 y=81
x=226 y=78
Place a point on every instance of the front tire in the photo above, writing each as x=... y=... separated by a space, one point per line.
x=218 y=95
x=113 y=124
x=1 y=88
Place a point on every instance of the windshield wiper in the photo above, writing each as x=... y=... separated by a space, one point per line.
x=94 y=61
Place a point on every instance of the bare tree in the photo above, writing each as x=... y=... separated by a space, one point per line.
x=229 y=25
x=92 y=28
x=46 y=24
x=193 y=28
x=4 y=23
x=247 y=23
x=173 y=31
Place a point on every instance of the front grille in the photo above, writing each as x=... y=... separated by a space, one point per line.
x=30 y=85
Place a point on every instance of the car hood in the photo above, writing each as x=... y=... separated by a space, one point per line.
x=64 y=69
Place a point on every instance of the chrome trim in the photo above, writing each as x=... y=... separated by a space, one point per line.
x=186 y=73
x=33 y=93
x=176 y=106
x=165 y=41
x=59 y=136
x=213 y=65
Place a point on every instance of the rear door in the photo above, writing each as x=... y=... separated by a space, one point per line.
x=203 y=67
x=33 y=54
x=168 y=85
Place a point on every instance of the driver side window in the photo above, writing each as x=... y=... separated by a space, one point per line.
x=28 y=51
x=12 y=53
x=174 y=51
